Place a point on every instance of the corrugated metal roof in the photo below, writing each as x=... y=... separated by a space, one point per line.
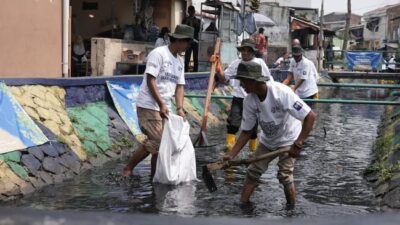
x=297 y=23
x=379 y=11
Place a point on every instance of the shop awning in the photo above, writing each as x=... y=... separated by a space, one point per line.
x=298 y=24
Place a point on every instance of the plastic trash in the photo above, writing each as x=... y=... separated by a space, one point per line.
x=176 y=161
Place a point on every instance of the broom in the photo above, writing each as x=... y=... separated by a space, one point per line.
x=207 y=169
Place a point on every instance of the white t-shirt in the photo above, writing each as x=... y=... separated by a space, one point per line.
x=168 y=71
x=238 y=91
x=392 y=64
x=305 y=70
x=279 y=115
x=279 y=61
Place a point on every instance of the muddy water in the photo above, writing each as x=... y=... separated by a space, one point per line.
x=328 y=177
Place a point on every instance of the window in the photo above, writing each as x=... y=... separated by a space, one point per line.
x=90 y=6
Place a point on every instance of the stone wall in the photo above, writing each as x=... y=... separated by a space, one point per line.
x=384 y=171
x=84 y=129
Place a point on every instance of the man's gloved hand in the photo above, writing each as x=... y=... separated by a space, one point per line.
x=218 y=66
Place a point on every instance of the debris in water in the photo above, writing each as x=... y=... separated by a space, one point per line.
x=115 y=178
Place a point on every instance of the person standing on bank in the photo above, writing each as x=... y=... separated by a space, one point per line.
x=392 y=64
x=261 y=43
x=303 y=71
x=163 y=78
x=279 y=111
x=163 y=37
x=247 y=51
x=281 y=60
x=193 y=21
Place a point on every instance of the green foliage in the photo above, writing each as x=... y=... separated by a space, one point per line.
x=383 y=146
x=385 y=172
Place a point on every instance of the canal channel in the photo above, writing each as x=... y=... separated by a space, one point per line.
x=328 y=176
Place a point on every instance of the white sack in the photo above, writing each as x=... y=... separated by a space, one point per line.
x=176 y=161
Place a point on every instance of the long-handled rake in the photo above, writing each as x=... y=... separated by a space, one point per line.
x=207 y=169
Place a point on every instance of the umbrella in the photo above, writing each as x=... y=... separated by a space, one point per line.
x=263 y=21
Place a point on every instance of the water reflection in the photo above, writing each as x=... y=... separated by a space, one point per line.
x=178 y=200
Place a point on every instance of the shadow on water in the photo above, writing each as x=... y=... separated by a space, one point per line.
x=328 y=177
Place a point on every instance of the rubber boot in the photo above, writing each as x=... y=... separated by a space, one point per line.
x=317 y=96
x=230 y=141
x=253 y=144
x=290 y=194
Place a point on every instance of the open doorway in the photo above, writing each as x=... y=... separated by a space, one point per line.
x=127 y=20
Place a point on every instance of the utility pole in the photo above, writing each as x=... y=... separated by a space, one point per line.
x=347 y=28
x=321 y=38
x=243 y=15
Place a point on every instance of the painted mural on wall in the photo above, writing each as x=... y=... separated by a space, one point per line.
x=90 y=123
x=17 y=129
x=124 y=97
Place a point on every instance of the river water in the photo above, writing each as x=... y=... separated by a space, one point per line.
x=328 y=176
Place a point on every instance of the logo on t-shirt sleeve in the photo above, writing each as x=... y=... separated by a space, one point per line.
x=151 y=64
x=297 y=105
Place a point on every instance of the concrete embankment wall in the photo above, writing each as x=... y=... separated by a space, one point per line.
x=384 y=171
x=84 y=129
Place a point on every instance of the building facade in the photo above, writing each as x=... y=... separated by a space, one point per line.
x=290 y=3
x=381 y=26
x=31 y=38
x=37 y=36
x=337 y=20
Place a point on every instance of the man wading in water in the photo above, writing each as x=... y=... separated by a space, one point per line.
x=279 y=111
x=247 y=51
x=164 y=77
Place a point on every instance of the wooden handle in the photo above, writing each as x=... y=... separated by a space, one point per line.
x=220 y=165
x=258 y=158
x=210 y=87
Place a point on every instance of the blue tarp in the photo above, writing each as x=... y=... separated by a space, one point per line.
x=124 y=95
x=17 y=129
x=363 y=60
x=247 y=24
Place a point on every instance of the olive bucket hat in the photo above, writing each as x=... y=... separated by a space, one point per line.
x=248 y=43
x=183 y=31
x=297 y=50
x=250 y=70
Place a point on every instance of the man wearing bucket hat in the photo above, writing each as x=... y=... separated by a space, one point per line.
x=247 y=50
x=303 y=71
x=163 y=78
x=279 y=111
